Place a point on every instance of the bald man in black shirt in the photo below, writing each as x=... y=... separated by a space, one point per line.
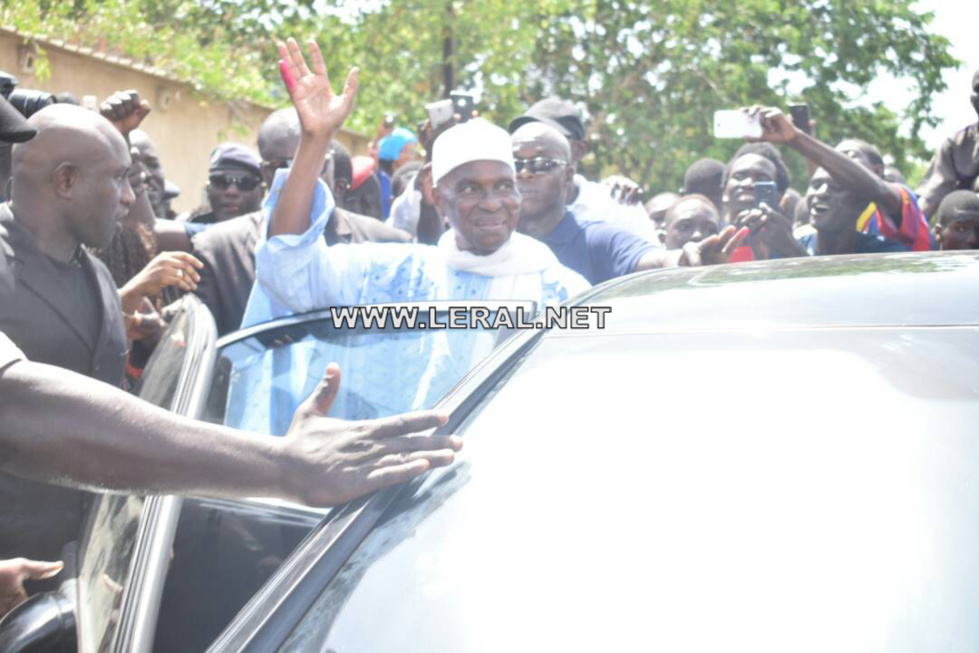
x=58 y=303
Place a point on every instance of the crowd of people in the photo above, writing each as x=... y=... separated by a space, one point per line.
x=92 y=255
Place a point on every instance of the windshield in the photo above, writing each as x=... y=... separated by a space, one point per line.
x=774 y=491
x=261 y=380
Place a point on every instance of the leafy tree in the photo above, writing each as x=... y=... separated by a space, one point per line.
x=649 y=74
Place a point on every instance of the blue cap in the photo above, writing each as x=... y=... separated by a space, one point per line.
x=235 y=155
x=391 y=145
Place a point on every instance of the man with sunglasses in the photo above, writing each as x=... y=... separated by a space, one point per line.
x=598 y=251
x=228 y=249
x=589 y=200
x=234 y=185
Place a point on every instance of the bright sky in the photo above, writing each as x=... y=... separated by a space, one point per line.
x=958 y=21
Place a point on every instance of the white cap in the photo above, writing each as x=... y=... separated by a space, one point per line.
x=474 y=140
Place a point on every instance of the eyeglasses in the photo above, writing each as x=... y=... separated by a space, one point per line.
x=243 y=182
x=537 y=165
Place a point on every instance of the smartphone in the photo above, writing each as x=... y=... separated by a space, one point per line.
x=736 y=124
x=800 y=117
x=439 y=112
x=389 y=119
x=766 y=192
x=462 y=104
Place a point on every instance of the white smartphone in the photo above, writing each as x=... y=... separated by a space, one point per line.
x=736 y=124
x=440 y=112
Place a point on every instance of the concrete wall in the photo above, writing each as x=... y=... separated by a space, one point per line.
x=185 y=125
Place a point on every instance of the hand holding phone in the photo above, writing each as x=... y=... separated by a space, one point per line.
x=766 y=192
x=462 y=105
x=801 y=118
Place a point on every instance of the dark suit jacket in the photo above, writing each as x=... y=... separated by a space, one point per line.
x=228 y=252
x=37 y=519
x=34 y=309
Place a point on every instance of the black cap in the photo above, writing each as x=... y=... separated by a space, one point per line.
x=13 y=126
x=235 y=155
x=559 y=114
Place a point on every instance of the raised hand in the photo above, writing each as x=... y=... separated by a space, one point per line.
x=321 y=111
x=333 y=461
x=125 y=110
x=178 y=269
x=624 y=189
x=776 y=126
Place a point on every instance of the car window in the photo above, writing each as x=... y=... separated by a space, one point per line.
x=689 y=491
x=111 y=531
x=261 y=380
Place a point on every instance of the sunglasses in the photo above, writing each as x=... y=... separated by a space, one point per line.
x=243 y=182
x=537 y=165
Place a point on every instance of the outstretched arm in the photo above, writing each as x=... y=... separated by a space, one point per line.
x=849 y=174
x=62 y=427
x=711 y=251
x=321 y=113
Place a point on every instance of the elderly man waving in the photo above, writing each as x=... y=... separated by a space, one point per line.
x=479 y=258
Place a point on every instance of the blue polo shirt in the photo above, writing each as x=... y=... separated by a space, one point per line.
x=865 y=244
x=598 y=251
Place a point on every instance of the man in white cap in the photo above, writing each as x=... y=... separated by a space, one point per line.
x=480 y=257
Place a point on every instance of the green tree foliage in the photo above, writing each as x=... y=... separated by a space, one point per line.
x=648 y=74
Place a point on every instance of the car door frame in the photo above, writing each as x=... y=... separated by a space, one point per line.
x=142 y=596
x=151 y=558
x=269 y=618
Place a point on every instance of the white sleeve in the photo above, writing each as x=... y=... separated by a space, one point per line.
x=301 y=272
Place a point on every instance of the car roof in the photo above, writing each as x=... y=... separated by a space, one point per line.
x=884 y=290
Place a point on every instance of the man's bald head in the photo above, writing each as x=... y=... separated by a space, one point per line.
x=278 y=140
x=545 y=174
x=278 y=137
x=544 y=138
x=66 y=132
x=72 y=178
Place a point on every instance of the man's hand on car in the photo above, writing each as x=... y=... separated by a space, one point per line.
x=331 y=461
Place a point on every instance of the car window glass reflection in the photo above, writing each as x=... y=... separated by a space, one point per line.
x=260 y=381
x=572 y=529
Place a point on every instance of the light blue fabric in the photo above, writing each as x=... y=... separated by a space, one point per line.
x=390 y=147
x=300 y=273
x=383 y=374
